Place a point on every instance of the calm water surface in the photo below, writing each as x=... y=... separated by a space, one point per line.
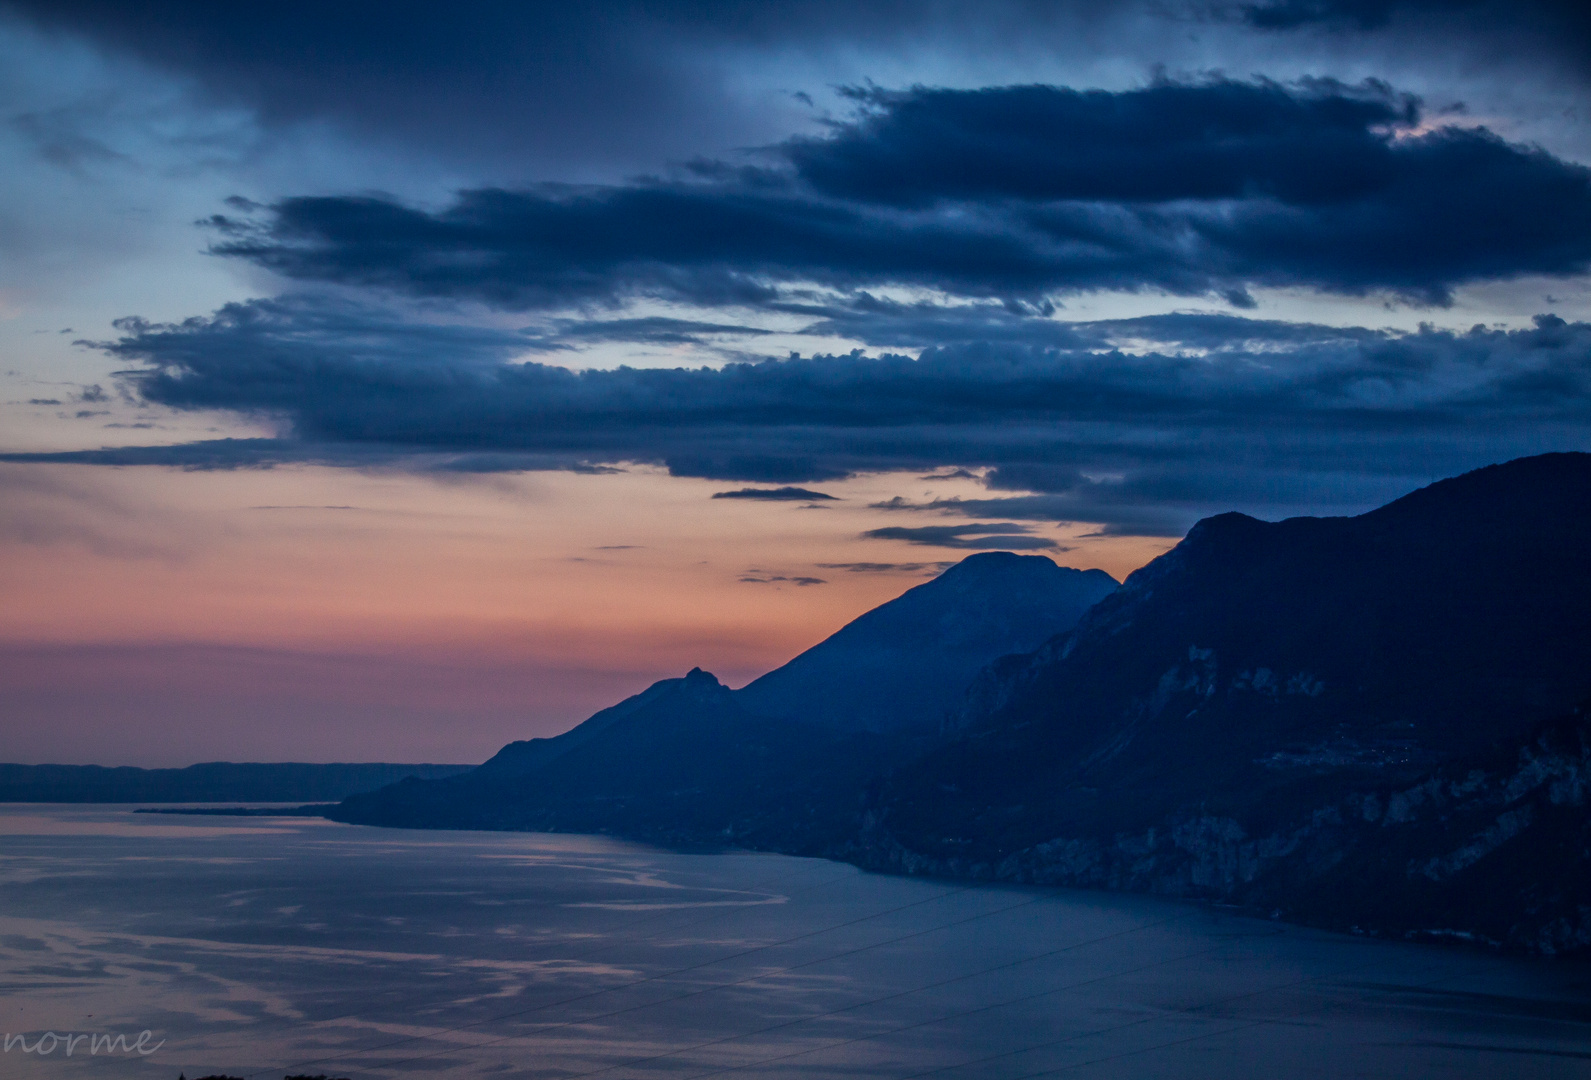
x=263 y=946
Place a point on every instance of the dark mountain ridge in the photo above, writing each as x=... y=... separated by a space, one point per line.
x=902 y=664
x=690 y=761
x=681 y=763
x=1373 y=721
x=1386 y=643
x=1223 y=724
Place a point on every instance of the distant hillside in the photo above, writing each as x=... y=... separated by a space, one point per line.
x=905 y=663
x=215 y=781
x=782 y=758
x=681 y=763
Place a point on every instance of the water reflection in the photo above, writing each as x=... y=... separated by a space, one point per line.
x=292 y=944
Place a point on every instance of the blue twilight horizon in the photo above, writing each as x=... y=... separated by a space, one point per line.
x=386 y=385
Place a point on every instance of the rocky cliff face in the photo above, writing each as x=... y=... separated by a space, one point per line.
x=1495 y=849
x=1350 y=721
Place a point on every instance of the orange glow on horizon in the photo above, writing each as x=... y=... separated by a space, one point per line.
x=587 y=586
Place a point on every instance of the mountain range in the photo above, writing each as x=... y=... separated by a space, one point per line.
x=690 y=761
x=1374 y=723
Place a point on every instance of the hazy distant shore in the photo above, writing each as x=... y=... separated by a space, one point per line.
x=210 y=782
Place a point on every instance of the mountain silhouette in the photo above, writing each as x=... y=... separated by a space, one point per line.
x=1217 y=725
x=1374 y=722
x=1256 y=654
x=681 y=763
x=781 y=762
x=905 y=663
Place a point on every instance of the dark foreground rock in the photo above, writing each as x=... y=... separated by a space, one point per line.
x=1491 y=849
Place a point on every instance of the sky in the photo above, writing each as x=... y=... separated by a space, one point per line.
x=387 y=384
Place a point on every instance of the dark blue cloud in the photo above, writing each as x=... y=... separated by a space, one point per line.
x=582 y=75
x=975 y=536
x=1318 y=143
x=480 y=79
x=1545 y=15
x=772 y=579
x=888 y=568
x=1022 y=192
x=509 y=86
x=892 y=324
x=1204 y=413
x=1161 y=500
x=1487 y=33
x=355 y=374
x=1348 y=14
x=648 y=330
x=706 y=244
x=778 y=494
x=211 y=455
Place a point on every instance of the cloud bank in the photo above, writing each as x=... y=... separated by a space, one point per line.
x=1022 y=192
x=940 y=228
x=1138 y=425
x=975 y=536
x=778 y=494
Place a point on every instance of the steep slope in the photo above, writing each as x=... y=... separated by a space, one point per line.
x=528 y=755
x=1198 y=725
x=905 y=663
x=1494 y=847
x=680 y=763
x=782 y=762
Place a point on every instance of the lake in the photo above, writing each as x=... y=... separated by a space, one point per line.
x=263 y=946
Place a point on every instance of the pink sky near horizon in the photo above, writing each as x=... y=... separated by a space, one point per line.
x=158 y=617
x=1219 y=338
